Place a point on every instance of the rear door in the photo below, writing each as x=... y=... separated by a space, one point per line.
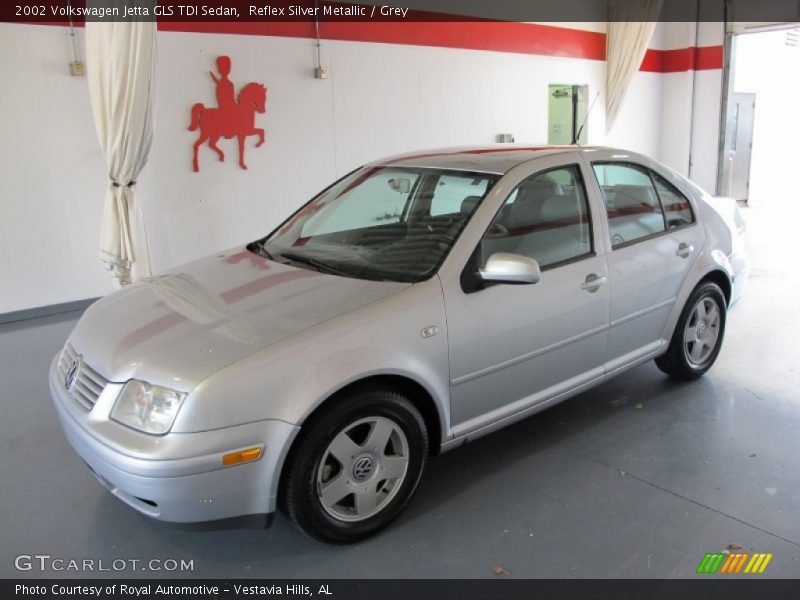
x=654 y=239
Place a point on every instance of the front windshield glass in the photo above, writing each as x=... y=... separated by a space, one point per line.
x=383 y=223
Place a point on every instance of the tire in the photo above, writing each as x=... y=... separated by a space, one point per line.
x=687 y=359
x=335 y=452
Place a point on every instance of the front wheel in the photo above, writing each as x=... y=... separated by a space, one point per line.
x=355 y=466
x=698 y=335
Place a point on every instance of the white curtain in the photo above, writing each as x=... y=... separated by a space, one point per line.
x=120 y=68
x=630 y=26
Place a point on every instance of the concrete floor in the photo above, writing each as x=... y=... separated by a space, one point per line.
x=637 y=478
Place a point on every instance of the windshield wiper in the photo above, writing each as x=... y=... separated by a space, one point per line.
x=313 y=262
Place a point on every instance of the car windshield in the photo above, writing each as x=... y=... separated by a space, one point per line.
x=383 y=223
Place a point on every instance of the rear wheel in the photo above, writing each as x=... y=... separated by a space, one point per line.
x=355 y=466
x=697 y=338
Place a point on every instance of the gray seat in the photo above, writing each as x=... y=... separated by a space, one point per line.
x=561 y=233
x=531 y=196
x=469 y=204
x=521 y=216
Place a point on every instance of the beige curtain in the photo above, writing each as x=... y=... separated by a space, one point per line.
x=120 y=68
x=630 y=26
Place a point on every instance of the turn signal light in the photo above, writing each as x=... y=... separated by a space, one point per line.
x=243 y=456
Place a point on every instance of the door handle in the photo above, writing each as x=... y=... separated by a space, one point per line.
x=684 y=250
x=593 y=282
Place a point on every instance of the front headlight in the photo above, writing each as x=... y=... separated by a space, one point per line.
x=148 y=408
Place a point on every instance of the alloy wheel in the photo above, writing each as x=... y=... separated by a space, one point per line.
x=362 y=469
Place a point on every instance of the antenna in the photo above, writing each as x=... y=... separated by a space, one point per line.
x=585 y=119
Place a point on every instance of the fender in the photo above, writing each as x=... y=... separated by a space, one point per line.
x=293 y=377
x=707 y=262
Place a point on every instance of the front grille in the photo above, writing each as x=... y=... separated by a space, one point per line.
x=88 y=382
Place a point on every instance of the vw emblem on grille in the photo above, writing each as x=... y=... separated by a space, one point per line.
x=362 y=468
x=71 y=376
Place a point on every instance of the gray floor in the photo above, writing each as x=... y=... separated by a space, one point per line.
x=637 y=478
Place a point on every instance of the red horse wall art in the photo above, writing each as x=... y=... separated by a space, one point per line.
x=233 y=117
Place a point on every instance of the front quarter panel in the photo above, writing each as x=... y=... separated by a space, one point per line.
x=290 y=379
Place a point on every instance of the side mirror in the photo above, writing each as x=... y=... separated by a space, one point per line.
x=504 y=267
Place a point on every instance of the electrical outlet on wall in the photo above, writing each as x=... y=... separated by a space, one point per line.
x=321 y=73
x=76 y=68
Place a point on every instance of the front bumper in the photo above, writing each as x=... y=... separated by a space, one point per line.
x=177 y=477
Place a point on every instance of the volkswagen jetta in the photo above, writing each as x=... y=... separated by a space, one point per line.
x=416 y=304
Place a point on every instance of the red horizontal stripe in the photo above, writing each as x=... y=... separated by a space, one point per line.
x=709 y=57
x=478 y=151
x=497 y=36
x=698 y=58
x=263 y=283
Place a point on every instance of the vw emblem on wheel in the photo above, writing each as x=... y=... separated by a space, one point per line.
x=362 y=468
x=71 y=376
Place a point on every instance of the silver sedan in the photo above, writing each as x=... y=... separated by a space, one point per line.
x=414 y=305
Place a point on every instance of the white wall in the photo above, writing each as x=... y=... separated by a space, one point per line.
x=691 y=107
x=707 y=105
x=51 y=174
x=638 y=126
x=380 y=99
x=766 y=66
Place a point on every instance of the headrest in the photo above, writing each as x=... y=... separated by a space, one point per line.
x=469 y=204
x=558 y=208
x=537 y=190
x=629 y=196
x=522 y=214
x=531 y=196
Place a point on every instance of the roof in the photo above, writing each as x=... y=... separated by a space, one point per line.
x=496 y=158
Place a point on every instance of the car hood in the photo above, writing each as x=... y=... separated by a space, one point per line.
x=178 y=328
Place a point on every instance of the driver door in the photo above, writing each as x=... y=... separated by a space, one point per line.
x=513 y=347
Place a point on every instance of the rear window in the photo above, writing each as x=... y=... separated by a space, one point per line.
x=634 y=211
x=677 y=208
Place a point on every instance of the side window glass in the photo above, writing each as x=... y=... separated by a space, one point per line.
x=546 y=218
x=634 y=211
x=676 y=206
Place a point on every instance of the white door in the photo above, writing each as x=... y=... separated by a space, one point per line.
x=654 y=241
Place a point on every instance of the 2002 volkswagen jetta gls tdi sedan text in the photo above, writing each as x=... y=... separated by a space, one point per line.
x=417 y=303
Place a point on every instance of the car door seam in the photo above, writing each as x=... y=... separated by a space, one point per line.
x=643 y=312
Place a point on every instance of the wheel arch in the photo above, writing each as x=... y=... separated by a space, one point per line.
x=712 y=266
x=416 y=393
x=722 y=279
